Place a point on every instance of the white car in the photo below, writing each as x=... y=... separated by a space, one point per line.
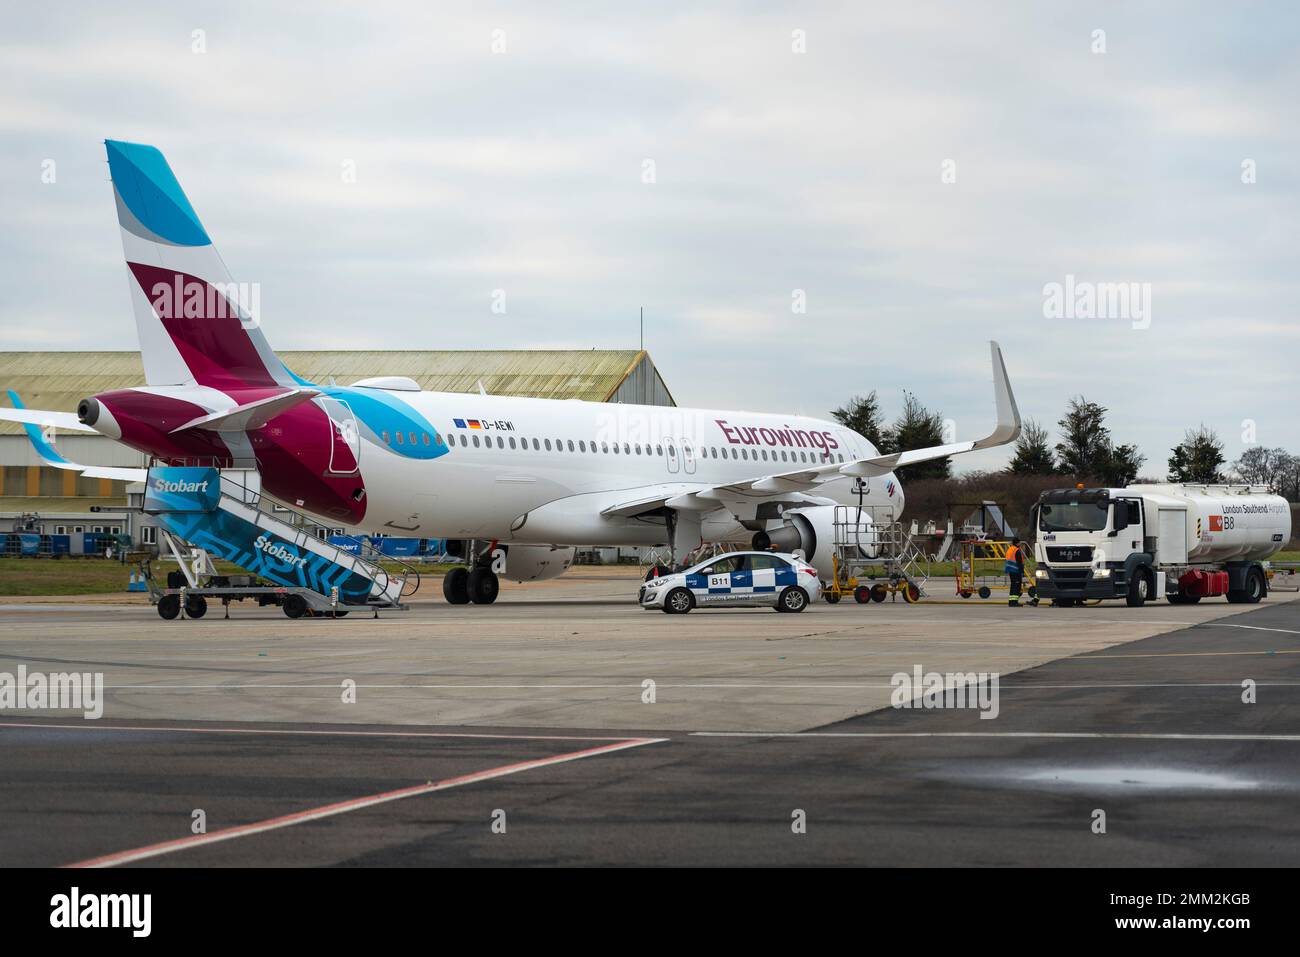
x=735 y=580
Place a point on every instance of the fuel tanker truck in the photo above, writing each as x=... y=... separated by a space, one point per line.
x=1186 y=542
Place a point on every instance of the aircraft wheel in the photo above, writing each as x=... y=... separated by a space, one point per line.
x=483 y=586
x=455 y=586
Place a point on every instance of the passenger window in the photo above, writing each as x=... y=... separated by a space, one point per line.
x=387 y=441
x=512 y=441
x=412 y=438
x=399 y=438
x=582 y=445
x=501 y=443
x=570 y=445
x=476 y=441
x=548 y=445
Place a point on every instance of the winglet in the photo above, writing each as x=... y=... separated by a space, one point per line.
x=1008 y=427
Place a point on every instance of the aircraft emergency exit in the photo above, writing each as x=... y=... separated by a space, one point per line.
x=519 y=482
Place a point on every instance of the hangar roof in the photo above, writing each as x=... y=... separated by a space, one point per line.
x=57 y=381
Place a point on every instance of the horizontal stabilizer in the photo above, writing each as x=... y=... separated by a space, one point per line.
x=46 y=451
x=40 y=418
x=250 y=415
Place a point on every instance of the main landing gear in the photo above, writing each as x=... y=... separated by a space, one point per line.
x=462 y=585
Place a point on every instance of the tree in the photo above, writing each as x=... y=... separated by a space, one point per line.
x=1033 y=454
x=1198 y=458
x=916 y=428
x=1085 y=447
x=1121 y=465
x=1260 y=466
x=1287 y=480
x=863 y=416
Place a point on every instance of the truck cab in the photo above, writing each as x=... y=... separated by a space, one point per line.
x=1093 y=543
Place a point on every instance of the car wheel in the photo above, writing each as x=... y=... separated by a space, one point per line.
x=678 y=601
x=793 y=599
x=455 y=586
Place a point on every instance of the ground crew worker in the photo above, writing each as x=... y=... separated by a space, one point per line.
x=1014 y=568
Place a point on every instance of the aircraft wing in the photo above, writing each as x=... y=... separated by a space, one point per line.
x=36 y=418
x=801 y=485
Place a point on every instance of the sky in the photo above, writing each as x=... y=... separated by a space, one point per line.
x=810 y=201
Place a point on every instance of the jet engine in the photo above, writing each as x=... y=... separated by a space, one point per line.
x=812 y=532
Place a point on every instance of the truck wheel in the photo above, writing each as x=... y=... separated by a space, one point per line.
x=294 y=606
x=1183 y=599
x=1253 y=592
x=1139 y=588
x=679 y=601
x=169 y=606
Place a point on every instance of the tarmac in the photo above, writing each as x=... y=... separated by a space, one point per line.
x=564 y=725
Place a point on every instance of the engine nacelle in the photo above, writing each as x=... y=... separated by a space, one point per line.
x=537 y=563
x=812 y=532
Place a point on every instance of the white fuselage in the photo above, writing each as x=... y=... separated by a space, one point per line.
x=543 y=471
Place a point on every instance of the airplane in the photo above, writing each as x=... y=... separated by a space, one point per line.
x=514 y=484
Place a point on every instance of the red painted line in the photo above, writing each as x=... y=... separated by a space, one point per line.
x=355 y=804
x=96 y=726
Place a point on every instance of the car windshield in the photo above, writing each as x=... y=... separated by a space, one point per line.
x=1073 y=517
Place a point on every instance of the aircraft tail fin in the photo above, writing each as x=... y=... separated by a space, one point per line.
x=196 y=326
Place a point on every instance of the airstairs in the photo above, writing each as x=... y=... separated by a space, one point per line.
x=206 y=513
x=875 y=556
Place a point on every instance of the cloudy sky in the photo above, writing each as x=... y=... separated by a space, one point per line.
x=919 y=171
